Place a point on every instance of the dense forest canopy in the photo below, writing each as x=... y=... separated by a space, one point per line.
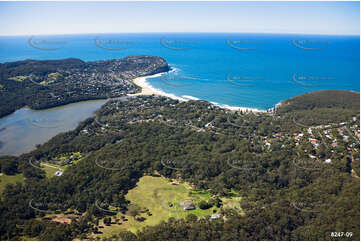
x=322 y=99
x=291 y=189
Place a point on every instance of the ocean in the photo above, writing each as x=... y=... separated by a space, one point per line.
x=239 y=70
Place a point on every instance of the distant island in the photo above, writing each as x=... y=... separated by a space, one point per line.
x=41 y=84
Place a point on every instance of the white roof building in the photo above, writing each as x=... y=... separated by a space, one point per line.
x=328 y=161
x=214 y=216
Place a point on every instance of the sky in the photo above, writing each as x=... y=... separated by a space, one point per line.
x=37 y=18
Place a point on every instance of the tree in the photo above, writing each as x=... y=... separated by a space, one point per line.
x=133 y=210
x=9 y=165
x=204 y=205
x=191 y=218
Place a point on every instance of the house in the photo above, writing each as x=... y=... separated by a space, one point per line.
x=189 y=206
x=174 y=183
x=214 y=216
x=61 y=220
x=208 y=125
x=328 y=161
x=313 y=141
x=340 y=131
x=59 y=173
x=309 y=131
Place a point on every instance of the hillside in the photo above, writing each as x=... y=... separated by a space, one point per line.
x=322 y=99
x=290 y=183
x=49 y=83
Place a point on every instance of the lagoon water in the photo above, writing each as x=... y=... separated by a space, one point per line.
x=21 y=131
x=244 y=70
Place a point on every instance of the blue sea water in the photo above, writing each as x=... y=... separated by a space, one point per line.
x=243 y=70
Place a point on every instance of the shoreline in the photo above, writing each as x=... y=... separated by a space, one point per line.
x=149 y=90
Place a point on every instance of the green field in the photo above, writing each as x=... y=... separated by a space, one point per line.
x=65 y=157
x=155 y=194
x=60 y=163
x=52 y=77
x=18 y=78
x=5 y=179
x=50 y=171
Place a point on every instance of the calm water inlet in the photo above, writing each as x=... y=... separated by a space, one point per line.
x=22 y=130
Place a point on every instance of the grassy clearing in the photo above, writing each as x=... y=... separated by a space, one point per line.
x=60 y=163
x=62 y=159
x=5 y=179
x=52 y=77
x=155 y=194
x=18 y=78
x=50 y=169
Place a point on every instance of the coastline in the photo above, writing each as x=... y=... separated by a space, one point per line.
x=148 y=90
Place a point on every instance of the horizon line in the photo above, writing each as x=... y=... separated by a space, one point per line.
x=295 y=33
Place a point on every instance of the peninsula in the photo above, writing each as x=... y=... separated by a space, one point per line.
x=41 y=84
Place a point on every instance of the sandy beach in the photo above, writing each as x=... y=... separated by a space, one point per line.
x=149 y=90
